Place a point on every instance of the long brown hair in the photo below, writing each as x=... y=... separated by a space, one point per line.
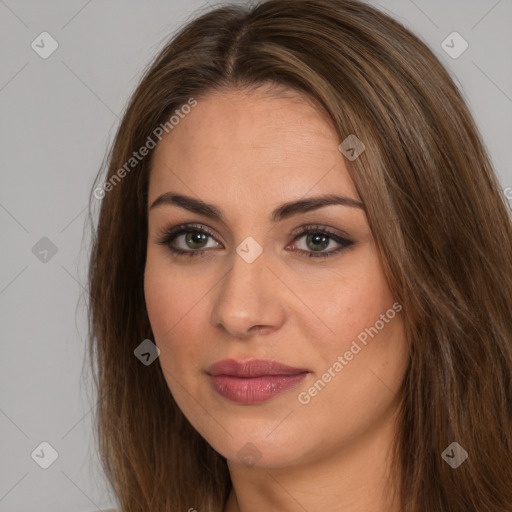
x=435 y=209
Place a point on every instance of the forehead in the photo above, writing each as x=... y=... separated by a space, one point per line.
x=251 y=146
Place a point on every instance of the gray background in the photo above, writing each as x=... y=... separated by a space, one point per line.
x=58 y=115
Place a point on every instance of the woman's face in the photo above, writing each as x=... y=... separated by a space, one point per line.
x=257 y=287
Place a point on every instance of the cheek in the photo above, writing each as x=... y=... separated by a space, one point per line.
x=168 y=300
x=159 y=299
x=370 y=354
x=173 y=303
x=351 y=302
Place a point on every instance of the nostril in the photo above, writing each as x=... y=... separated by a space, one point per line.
x=261 y=329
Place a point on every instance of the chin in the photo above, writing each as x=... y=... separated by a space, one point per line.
x=258 y=449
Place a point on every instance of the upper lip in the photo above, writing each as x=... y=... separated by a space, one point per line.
x=252 y=368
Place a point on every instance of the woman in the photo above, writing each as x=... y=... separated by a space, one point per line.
x=301 y=283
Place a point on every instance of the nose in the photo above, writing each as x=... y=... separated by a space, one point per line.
x=250 y=299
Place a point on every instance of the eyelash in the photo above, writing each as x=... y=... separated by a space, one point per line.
x=170 y=235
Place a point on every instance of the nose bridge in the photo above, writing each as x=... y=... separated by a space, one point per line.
x=248 y=295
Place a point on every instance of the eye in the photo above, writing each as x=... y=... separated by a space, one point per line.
x=318 y=238
x=195 y=239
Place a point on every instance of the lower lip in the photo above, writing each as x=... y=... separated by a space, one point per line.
x=254 y=389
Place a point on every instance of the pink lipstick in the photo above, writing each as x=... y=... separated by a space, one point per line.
x=253 y=381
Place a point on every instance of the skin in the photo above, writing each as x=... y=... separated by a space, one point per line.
x=248 y=152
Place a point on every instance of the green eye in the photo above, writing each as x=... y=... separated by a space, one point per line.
x=318 y=239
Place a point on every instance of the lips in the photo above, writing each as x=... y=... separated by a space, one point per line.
x=252 y=368
x=254 y=381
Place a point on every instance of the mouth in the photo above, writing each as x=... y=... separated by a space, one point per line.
x=253 y=381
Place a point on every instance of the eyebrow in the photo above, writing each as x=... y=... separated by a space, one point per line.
x=284 y=211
